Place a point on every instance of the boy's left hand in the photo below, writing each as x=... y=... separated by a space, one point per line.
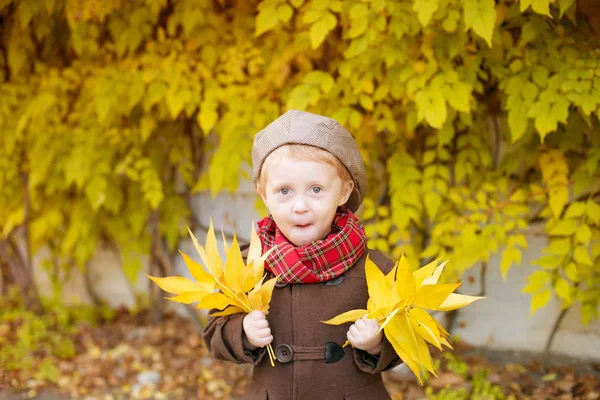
x=364 y=335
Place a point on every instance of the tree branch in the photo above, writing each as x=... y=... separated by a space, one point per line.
x=15 y=268
x=482 y=277
x=89 y=286
x=557 y=322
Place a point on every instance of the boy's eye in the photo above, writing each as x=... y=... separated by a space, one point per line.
x=284 y=191
x=316 y=189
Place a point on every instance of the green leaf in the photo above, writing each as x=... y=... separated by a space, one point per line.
x=480 y=15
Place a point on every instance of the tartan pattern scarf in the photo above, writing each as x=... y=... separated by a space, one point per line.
x=318 y=261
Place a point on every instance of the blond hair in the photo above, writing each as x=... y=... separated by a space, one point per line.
x=301 y=152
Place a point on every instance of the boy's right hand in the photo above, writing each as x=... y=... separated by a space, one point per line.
x=256 y=329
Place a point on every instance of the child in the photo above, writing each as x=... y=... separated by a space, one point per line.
x=310 y=174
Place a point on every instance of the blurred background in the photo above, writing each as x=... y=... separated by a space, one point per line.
x=122 y=123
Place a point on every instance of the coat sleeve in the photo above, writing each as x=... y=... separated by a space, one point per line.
x=223 y=336
x=223 y=339
x=388 y=357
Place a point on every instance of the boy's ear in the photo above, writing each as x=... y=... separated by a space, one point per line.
x=347 y=188
x=261 y=193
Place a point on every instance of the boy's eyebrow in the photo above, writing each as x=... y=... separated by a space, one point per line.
x=290 y=182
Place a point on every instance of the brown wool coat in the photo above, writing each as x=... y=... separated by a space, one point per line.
x=295 y=317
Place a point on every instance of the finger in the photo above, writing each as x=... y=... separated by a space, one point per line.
x=261 y=324
x=372 y=323
x=264 y=332
x=257 y=315
x=360 y=323
x=354 y=330
x=262 y=342
x=350 y=338
x=267 y=340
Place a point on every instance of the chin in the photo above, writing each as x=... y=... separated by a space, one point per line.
x=300 y=242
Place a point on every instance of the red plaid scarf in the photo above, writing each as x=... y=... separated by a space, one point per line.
x=318 y=261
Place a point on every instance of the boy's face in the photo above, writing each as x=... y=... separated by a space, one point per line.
x=303 y=196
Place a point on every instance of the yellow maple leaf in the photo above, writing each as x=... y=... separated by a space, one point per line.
x=242 y=286
x=399 y=301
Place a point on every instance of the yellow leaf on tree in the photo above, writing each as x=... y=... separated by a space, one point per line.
x=425 y=10
x=539 y=300
x=480 y=15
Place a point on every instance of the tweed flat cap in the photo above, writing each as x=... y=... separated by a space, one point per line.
x=299 y=127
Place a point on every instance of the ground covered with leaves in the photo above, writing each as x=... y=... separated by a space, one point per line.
x=131 y=357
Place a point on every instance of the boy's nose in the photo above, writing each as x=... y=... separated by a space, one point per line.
x=300 y=206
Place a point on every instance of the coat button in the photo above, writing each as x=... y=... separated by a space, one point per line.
x=336 y=281
x=280 y=285
x=284 y=353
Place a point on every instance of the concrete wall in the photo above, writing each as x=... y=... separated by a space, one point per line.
x=501 y=321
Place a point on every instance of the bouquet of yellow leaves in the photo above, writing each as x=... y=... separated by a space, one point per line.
x=241 y=287
x=399 y=301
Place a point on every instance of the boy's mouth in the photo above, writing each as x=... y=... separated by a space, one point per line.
x=303 y=226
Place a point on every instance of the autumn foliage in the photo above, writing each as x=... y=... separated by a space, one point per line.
x=477 y=119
